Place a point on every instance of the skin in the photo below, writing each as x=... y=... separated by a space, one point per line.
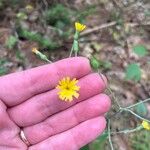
x=29 y=100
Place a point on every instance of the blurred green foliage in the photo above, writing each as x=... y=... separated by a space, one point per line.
x=58 y=16
x=81 y=15
x=98 y=144
x=11 y=42
x=1 y=3
x=140 y=140
x=86 y=147
x=22 y=16
x=95 y=63
x=140 y=50
x=133 y=72
x=3 y=69
x=37 y=37
x=141 y=109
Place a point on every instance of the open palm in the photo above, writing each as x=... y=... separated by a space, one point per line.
x=29 y=101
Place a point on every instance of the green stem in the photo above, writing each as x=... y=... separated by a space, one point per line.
x=126 y=109
x=144 y=101
x=109 y=136
x=48 y=61
x=115 y=99
x=128 y=130
x=71 y=51
x=76 y=53
x=109 y=89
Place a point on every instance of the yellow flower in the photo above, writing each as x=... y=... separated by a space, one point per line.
x=79 y=27
x=34 y=50
x=29 y=7
x=146 y=125
x=68 y=89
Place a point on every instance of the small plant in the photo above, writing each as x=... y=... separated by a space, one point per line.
x=140 y=137
x=58 y=16
x=11 y=42
x=3 y=68
x=37 y=37
x=133 y=72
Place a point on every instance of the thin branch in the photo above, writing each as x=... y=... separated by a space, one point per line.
x=134 y=24
x=106 y=25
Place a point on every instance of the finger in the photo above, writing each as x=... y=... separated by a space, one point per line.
x=18 y=87
x=74 y=138
x=9 y=132
x=93 y=107
x=42 y=106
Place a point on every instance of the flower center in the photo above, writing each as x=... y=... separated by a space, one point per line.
x=67 y=87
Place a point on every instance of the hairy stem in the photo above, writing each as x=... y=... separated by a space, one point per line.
x=144 y=101
x=126 y=109
x=109 y=136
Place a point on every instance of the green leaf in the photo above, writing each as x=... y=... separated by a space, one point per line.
x=86 y=147
x=140 y=50
x=11 y=42
x=133 y=72
x=99 y=143
x=141 y=109
x=102 y=138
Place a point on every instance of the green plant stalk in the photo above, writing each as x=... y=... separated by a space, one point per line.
x=109 y=136
x=144 y=101
x=115 y=99
x=109 y=89
x=125 y=109
x=75 y=46
x=128 y=130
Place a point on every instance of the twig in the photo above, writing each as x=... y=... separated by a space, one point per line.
x=138 y=24
x=106 y=25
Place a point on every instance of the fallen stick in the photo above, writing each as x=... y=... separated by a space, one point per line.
x=106 y=25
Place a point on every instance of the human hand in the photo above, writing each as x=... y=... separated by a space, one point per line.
x=29 y=102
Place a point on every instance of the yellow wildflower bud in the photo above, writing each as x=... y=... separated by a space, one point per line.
x=146 y=125
x=79 y=27
x=29 y=8
x=34 y=50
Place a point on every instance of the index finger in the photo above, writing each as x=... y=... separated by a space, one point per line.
x=18 y=87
